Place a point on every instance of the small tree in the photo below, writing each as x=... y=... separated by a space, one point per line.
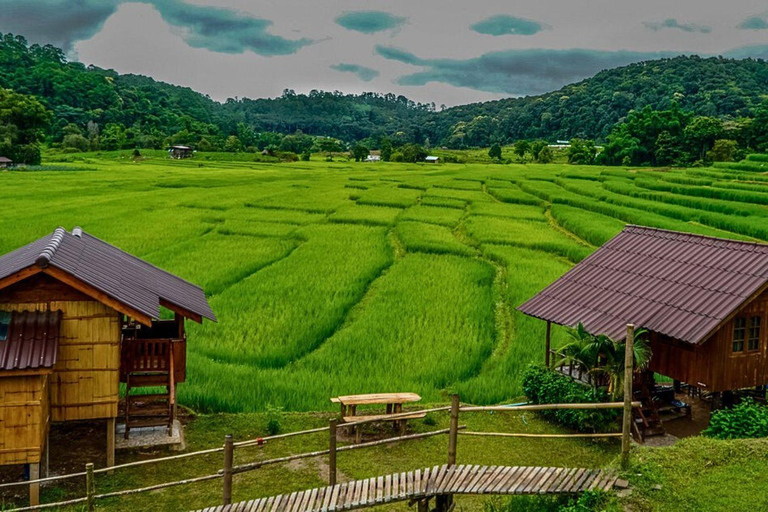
x=545 y=156
x=495 y=151
x=582 y=151
x=521 y=148
x=723 y=150
x=359 y=152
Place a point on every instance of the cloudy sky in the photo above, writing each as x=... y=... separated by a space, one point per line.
x=447 y=52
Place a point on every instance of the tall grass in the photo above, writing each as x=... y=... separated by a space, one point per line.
x=421 y=237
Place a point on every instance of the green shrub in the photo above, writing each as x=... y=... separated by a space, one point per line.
x=746 y=419
x=589 y=501
x=273 y=419
x=544 y=386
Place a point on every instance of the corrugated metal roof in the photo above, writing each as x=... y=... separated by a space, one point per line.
x=677 y=284
x=125 y=278
x=32 y=341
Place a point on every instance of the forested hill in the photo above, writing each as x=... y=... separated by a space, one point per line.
x=589 y=109
x=140 y=112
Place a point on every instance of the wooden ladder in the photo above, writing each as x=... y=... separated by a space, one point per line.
x=151 y=366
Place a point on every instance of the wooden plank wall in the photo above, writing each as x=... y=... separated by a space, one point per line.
x=84 y=384
x=713 y=365
x=24 y=418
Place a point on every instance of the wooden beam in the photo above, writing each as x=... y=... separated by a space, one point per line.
x=34 y=489
x=626 y=424
x=110 y=442
x=19 y=276
x=26 y=373
x=98 y=295
x=181 y=311
x=549 y=343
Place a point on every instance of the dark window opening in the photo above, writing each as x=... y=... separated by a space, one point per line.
x=5 y=321
x=753 y=341
x=739 y=333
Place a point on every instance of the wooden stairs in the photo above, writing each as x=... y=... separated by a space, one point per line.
x=150 y=399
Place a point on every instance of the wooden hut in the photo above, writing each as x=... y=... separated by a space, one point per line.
x=180 y=152
x=5 y=162
x=77 y=317
x=703 y=300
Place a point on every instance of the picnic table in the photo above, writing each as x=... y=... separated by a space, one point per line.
x=393 y=403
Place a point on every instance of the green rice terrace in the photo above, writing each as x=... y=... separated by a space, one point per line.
x=339 y=278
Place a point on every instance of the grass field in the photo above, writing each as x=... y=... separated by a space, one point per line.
x=338 y=278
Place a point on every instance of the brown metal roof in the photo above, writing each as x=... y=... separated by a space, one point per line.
x=32 y=342
x=125 y=278
x=677 y=284
x=5 y=160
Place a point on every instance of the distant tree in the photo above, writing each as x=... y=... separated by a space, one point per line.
x=495 y=151
x=413 y=153
x=359 y=152
x=233 y=144
x=246 y=135
x=668 y=150
x=386 y=148
x=521 y=148
x=723 y=150
x=306 y=155
x=701 y=134
x=205 y=145
x=23 y=121
x=75 y=141
x=545 y=155
x=582 y=152
x=113 y=137
x=536 y=147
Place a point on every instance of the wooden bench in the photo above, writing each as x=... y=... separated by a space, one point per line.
x=393 y=402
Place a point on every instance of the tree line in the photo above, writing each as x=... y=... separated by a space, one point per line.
x=663 y=112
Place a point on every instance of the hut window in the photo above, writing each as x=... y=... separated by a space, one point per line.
x=5 y=321
x=739 y=333
x=753 y=342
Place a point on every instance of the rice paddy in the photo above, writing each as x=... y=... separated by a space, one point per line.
x=338 y=278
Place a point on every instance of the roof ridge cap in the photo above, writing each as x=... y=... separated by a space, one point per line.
x=757 y=244
x=45 y=256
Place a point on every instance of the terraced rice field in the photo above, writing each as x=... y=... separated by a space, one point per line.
x=338 y=278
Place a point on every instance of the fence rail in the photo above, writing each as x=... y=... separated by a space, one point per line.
x=453 y=432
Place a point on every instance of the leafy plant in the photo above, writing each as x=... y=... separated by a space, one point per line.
x=274 y=415
x=544 y=386
x=746 y=419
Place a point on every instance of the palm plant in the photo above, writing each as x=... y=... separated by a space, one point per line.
x=599 y=355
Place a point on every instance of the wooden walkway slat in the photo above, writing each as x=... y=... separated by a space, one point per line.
x=430 y=482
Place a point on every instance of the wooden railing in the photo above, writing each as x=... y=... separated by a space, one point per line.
x=147 y=355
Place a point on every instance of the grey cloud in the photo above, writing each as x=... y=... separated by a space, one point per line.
x=364 y=73
x=225 y=30
x=757 y=22
x=502 y=25
x=674 y=24
x=64 y=22
x=515 y=72
x=370 y=22
x=58 y=22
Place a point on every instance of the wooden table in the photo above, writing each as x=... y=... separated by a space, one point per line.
x=393 y=402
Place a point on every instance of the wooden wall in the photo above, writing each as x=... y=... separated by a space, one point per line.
x=24 y=418
x=84 y=384
x=713 y=365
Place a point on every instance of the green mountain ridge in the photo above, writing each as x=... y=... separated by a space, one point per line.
x=155 y=113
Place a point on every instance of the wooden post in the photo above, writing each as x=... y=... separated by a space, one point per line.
x=453 y=433
x=90 y=487
x=229 y=455
x=333 y=424
x=34 y=489
x=549 y=342
x=110 y=443
x=628 y=372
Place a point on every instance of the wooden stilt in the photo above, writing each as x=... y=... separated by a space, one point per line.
x=549 y=343
x=629 y=362
x=110 y=443
x=34 y=489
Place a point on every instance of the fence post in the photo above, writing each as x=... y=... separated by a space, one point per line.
x=332 y=429
x=229 y=455
x=548 y=340
x=90 y=487
x=453 y=432
x=628 y=372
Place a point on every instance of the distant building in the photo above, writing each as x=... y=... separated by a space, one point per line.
x=5 y=162
x=564 y=142
x=179 y=152
x=432 y=159
x=373 y=158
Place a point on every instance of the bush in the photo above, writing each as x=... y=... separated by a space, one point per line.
x=544 y=386
x=273 y=419
x=746 y=419
x=589 y=501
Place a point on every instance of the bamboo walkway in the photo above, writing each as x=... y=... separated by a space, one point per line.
x=427 y=483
